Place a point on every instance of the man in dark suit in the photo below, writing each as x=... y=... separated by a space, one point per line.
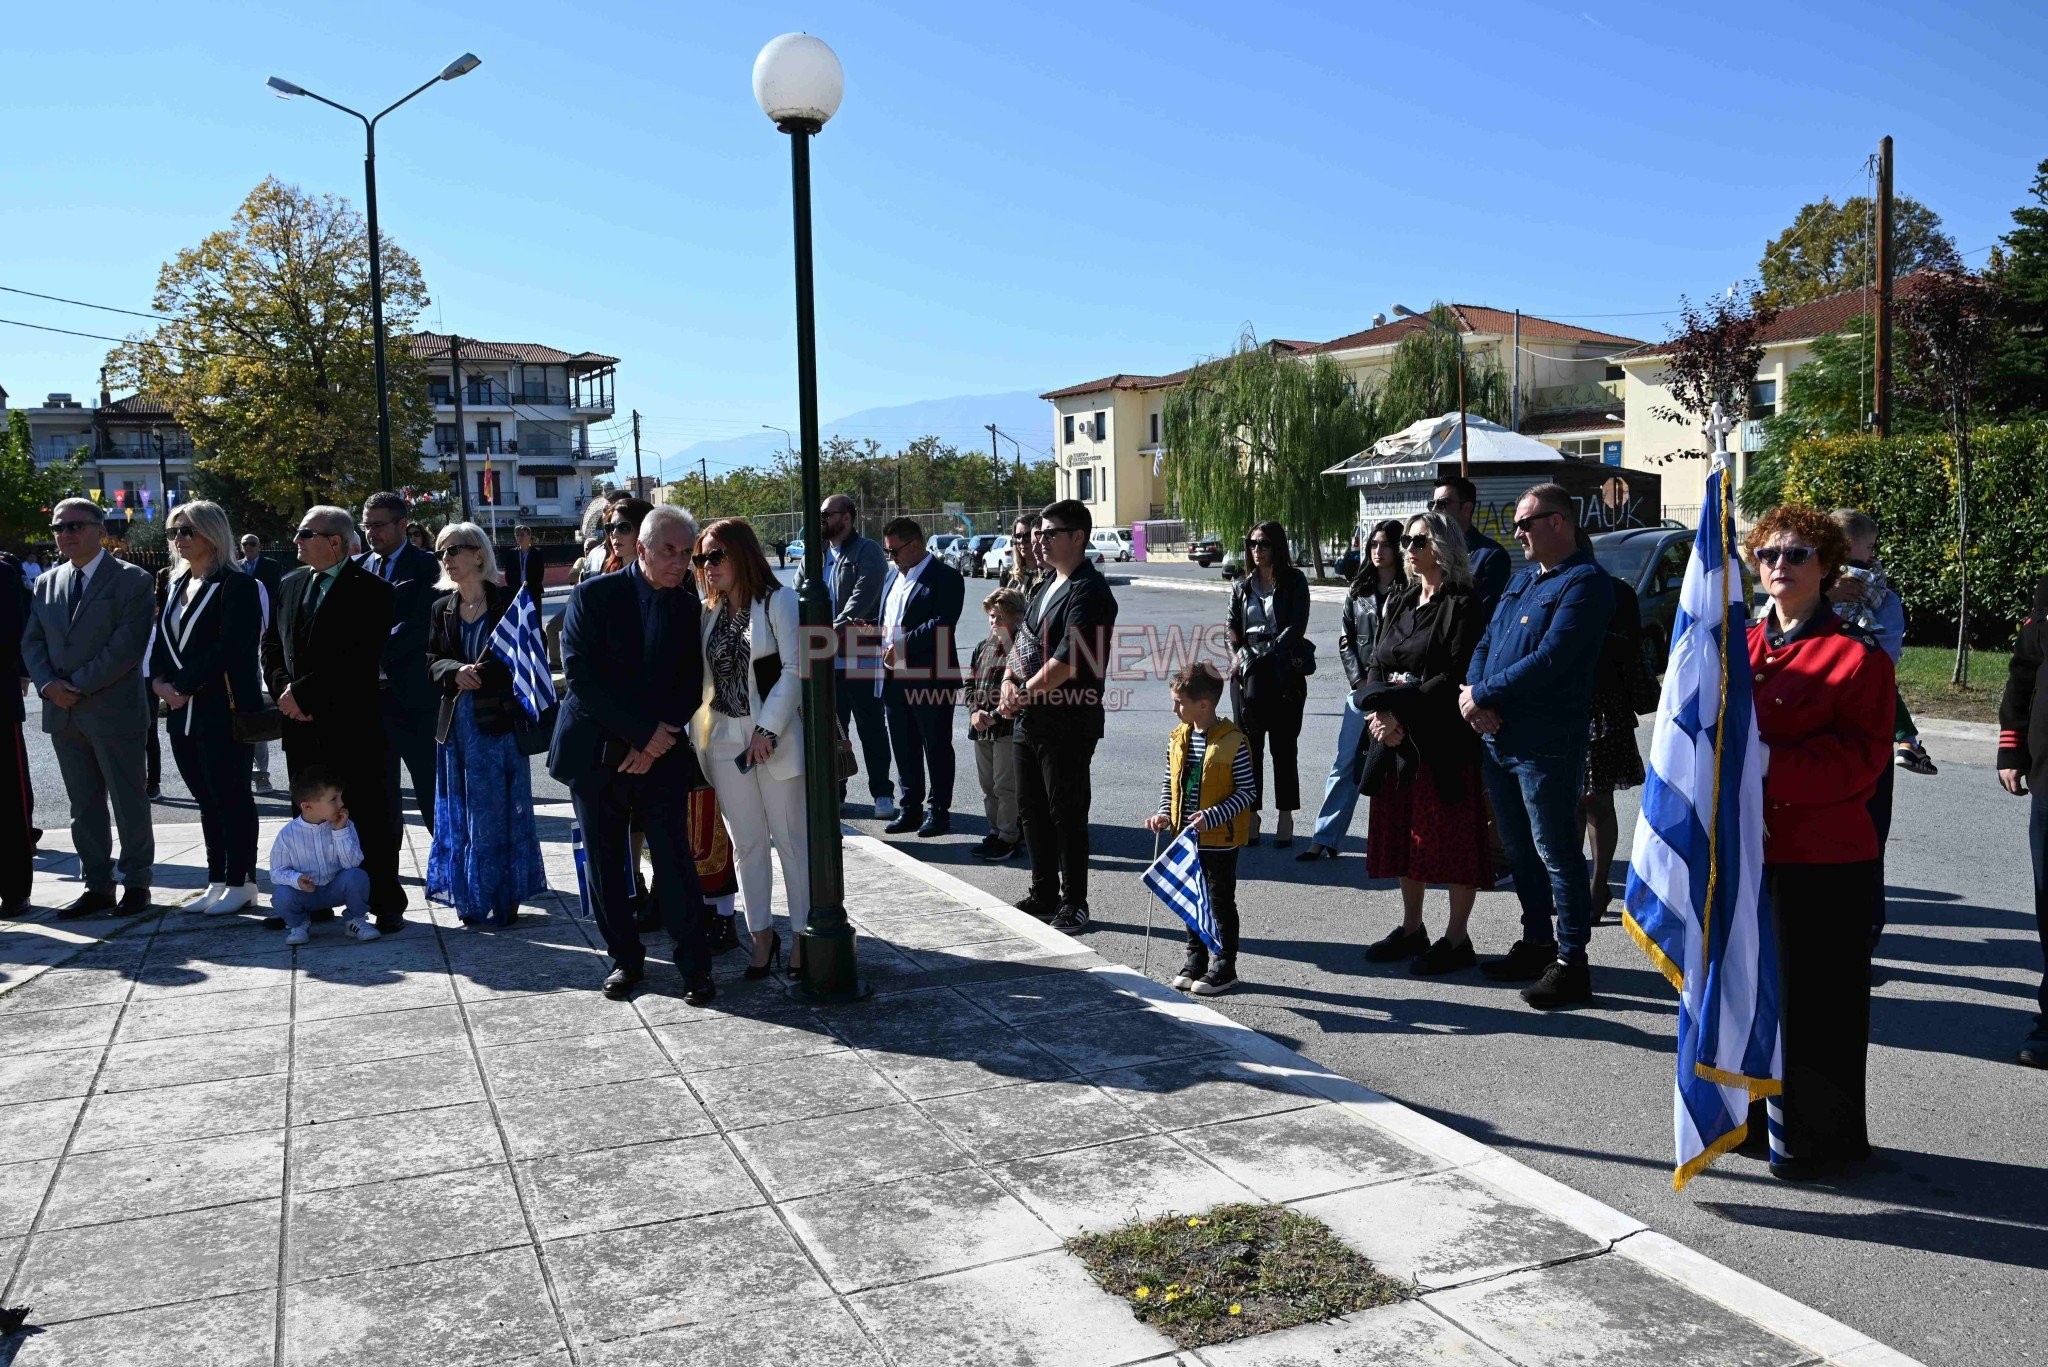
x=17 y=868
x=921 y=603
x=320 y=658
x=855 y=569
x=524 y=566
x=407 y=698
x=1458 y=499
x=633 y=658
x=259 y=566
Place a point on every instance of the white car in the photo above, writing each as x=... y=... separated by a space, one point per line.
x=1114 y=544
x=997 y=557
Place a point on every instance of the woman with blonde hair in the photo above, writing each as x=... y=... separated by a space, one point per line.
x=749 y=731
x=203 y=666
x=485 y=858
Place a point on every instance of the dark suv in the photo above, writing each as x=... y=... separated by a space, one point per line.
x=1205 y=550
x=1652 y=561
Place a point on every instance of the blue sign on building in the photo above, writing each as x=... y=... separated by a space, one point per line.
x=1610 y=453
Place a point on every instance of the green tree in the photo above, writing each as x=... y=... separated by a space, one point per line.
x=2016 y=380
x=1422 y=379
x=267 y=359
x=1251 y=434
x=1829 y=248
x=27 y=491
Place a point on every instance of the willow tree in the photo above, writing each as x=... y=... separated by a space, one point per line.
x=1422 y=379
x=1249 y=435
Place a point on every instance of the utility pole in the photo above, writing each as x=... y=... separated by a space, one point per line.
x=461 y=439
x=704 y=484
x=1881 y=414
x=639 y=489
x=1515 y=398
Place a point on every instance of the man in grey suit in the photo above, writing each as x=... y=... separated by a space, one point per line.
x=855 y=569
x=87 y=631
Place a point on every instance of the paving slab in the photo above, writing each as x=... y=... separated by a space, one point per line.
x=211 y=1013
x=803 y=1157
x=156 y=1179
x=1297 y=1154
x=392 y=1145
x=1179 y=1094
x=348 y=1090
x=194 y=1110
x=70 y=1274
x=171 y=1062
x=47 y=1075
x=22 y=1186
x=38 y=1129
x=817 y=1331
x=226 y=1331
x=602 y=1117
x=797 y=1089
x=461 y=1312
x=919 y=1227
x=1035 y=1118
x=575 y=1061
x=395 y=1224
x=1447 y=1229
x=1406 y=1334
x=383 y=1035
x=700 y=1046
x=624 y=1282
x=996 y=1057
x=641 y=1184
x=1115 y=1184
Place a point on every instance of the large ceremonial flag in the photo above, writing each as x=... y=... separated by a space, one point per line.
x=1177 y=879
x=1696 y=903
x=519 y=643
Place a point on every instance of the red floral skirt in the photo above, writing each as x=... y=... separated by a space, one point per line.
x=1414 y=832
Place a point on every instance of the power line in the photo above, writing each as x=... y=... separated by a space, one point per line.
x=133 y=341
x=104 y=308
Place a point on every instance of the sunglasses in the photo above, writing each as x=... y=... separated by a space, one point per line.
x=1523 y=524
x=1260 y=545
x=307 y=534
x=62 y=527
x=1044 y=532
x=631 y=529
x=182 y=534
x=447 y=551
x=1409 y=543
x=1794 y=556
x=1446 y=505
x=708 y=558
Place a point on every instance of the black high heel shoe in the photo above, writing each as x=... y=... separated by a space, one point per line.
x=756 y=972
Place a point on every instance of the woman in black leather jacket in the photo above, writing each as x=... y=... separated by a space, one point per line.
x=1377 y=583
x=1269 y=632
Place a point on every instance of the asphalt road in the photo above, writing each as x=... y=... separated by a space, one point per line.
x=1939 y=1249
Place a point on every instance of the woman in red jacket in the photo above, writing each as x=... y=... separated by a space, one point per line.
x=1824 y=708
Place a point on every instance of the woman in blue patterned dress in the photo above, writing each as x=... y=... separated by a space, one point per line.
x=486 y=855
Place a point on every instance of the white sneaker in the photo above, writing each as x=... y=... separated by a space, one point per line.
x=232 y=900
x=362 y=930
x=263 y=784
x=885 y=809
x=298 y=935
x=205 y=900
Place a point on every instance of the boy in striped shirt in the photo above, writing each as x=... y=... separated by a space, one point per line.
x=316 y=862
x=1208 y=787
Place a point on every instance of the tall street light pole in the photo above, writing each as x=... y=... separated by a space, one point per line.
x=461 y=66
x=798 y=84
x=1464 y=452
x=789 y=446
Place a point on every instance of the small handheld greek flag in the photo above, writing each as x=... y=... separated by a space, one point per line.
x=1177 y=879
x=519 y=643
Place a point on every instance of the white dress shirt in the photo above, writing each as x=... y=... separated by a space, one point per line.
x=898 y=598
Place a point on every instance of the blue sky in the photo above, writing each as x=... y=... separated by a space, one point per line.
x=1012 y=196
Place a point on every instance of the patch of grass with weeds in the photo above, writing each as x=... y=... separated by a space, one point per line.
x=1924 y=673
x=1232 y=1272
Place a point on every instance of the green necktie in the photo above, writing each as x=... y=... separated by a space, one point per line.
x=317 y=592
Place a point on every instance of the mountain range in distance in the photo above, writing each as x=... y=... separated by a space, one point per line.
x=960 y=421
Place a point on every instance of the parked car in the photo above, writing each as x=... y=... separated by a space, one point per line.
x=796 y=550
x=1205 y=550
x=1652 y=561
x=942 y=545
x=1232 y=567
x=998 y=557
x=1113 y=542
x=978 y=547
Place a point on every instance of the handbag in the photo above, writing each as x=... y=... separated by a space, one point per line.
x=842 y=752
x=263 y=726
x=534 y=737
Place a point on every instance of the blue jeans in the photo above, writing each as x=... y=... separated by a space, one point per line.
x=1340 y=789
x=349 y=889
x=1535 y=808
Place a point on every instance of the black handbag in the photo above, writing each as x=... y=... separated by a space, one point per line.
x=534 y=737
x=261 y=726
x=767 y=673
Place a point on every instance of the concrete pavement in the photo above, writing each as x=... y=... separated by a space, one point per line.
x=445 y=1148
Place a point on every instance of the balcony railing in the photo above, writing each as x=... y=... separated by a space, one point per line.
x=1570 y=398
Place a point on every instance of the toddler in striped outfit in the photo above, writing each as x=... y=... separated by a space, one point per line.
x=316 y=862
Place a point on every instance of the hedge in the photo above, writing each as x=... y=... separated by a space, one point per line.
x=1909 y=485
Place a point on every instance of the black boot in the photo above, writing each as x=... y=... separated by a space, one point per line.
x=1191 y=968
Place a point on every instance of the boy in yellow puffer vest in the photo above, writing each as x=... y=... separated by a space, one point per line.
x=1209 y=787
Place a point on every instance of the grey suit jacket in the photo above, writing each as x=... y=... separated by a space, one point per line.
x=856 y=583
x=99 y=652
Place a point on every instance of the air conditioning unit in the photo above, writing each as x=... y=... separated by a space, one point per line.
x=1086 y=428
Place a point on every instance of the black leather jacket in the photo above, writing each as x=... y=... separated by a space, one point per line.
x=1360 y=630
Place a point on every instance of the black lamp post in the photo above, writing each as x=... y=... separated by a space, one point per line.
x=461 y=66
x=798 y=83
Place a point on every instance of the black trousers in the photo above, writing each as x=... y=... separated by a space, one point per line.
x=409 y=738
x=1052 y=805
x=1823 y=914
x=609 y=807
x=1276 y=723
x=921 y=734
x=861 y=710
x=354 y=753
x=1880 y=809
x=17 y=815
x=1220 y=868
x=216 y=770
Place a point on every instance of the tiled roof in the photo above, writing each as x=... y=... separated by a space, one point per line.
x=1815 y=318
x=139 y=406
x=433 y=346
x=1110 y=382
x=1584 y=420
x=1477 y=318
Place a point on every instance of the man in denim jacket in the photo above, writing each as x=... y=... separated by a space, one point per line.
x=1529 y=694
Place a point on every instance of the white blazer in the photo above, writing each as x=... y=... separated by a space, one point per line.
x=771 y=630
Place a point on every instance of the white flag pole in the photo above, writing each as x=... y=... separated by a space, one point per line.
x=1150 y=904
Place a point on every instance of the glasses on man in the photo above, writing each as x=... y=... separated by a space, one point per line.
x=1795 y=556
x=1446 y=505
x=1044 y=532
x=1409 y=543
x=82 y=525
x=1523 y=524
x=308 y=533
x=704 y=558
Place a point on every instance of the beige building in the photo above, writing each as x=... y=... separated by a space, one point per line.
x=1662 y=444
x=1106 y=433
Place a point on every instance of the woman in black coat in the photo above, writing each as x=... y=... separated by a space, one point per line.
x=1269 y=632
x=1428 y=822
x=203 y=664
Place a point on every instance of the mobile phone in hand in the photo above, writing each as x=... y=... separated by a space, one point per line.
x=744 y=761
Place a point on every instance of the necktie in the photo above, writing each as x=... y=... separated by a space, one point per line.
x=384 y=567
x=315 y=593
x=74 y=594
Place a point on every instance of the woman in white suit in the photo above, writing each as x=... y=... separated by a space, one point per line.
x=749 y=733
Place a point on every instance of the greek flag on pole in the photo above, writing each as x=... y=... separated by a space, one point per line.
x=1177 y=878
x=519 y=643
x=1696 y=903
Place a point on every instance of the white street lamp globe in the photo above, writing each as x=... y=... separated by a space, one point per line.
x=798 y=78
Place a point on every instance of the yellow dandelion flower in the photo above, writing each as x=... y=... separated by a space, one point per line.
x=1236 y=1309
x=1144 y=1293
x=1194 y=1222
